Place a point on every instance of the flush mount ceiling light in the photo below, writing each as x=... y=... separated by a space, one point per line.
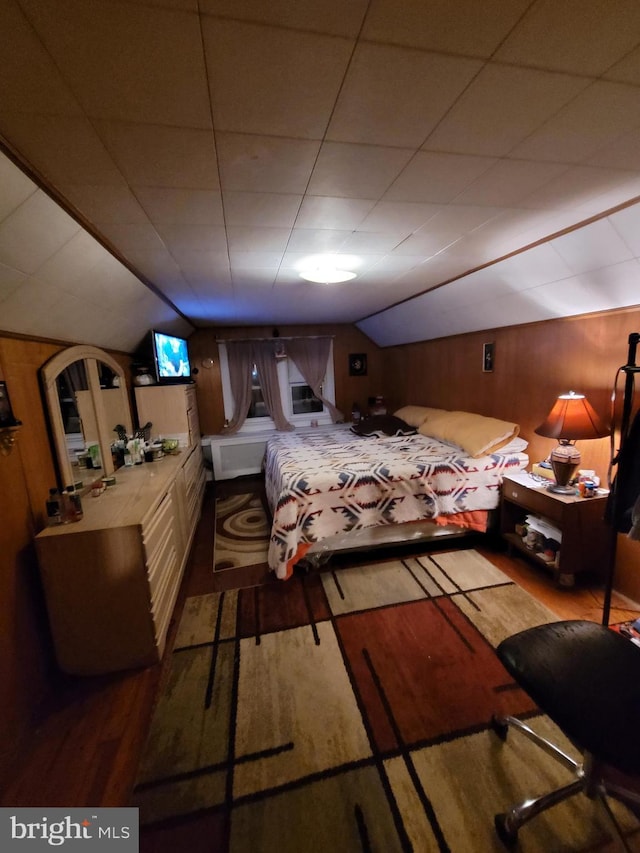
x=327 y=275
x=328 y=269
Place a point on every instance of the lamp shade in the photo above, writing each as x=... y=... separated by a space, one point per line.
x=572 y=418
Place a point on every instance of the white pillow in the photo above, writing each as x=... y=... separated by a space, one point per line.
x=516 y=445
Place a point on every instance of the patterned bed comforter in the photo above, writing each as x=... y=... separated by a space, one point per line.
x=322 y=484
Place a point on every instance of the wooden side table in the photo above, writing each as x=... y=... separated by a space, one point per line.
x=585 y=535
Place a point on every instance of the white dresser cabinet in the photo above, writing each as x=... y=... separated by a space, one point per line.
x=172 y=410
x=111 y=580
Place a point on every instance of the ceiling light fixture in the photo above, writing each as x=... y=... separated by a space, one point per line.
x=327 y=275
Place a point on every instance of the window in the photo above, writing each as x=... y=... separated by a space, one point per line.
x=299 y=404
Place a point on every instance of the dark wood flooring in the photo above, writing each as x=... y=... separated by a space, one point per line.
x=88 y=744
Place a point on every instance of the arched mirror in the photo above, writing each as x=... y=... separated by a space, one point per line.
x=87 y=397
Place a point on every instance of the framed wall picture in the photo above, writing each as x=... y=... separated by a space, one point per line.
x=488 y=357
x=358 y=364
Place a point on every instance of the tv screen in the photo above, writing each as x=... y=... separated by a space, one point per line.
x=171 y=357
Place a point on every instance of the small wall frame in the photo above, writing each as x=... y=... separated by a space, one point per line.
x=488 y=357
x=357 y=364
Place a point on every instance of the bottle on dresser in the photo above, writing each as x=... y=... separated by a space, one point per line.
x=72 y=504
x=54 y=508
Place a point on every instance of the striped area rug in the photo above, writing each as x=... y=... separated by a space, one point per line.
x=348 y=711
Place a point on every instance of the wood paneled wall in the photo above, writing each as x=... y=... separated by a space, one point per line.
x=533 y=364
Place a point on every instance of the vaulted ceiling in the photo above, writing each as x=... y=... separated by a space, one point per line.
x=214 y=145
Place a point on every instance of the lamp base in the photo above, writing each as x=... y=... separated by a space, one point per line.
x=561 y=490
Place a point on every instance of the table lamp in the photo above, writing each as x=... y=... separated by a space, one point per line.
x=570 y=419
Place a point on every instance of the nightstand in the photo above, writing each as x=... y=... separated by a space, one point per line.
x=585 y=535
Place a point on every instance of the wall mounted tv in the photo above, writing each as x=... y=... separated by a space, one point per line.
x=170 y=358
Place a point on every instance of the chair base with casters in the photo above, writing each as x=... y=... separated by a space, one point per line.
x=586 y=678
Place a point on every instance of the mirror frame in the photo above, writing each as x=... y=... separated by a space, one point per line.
x=49 y=374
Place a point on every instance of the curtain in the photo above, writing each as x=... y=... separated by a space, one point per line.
x=311 y=355
x=240 y=355
x=265 y=359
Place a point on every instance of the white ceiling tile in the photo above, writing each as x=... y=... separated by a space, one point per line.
x=445 y=227
x=177 y=206
x=328 y=212
x=256 y=260
x=436 y=178
x=389 y=268
x=475 y=30
x=615 y=285
x=199 y=265
x=10 y=280
x=509 y=182
x=330 y=16
x=595 y=118
x=252 y=93
x=29 y=79
x=577 y=36
x=16 y=187
x=204 y=238
x=67 y=149
x=127 y=62
x=567 y=298
x=258 y=239
x=154 y=156
x=26 y=306
x=627 y=224
x=539 y=265
x=275 y=210
x=404 y=216
x=365 y=242
x=356 y=171
x=73 y=262
x=316 y=240
x=156 y=264
x=169 y=193
x=130 y=237
x=33 y=232
x=590 y=248
x=501 y=107
x=253 y=280
x=622 y=153
x=396 y=96
x=627 y=70
x=105 y=203
x=576 y=186
x=265 y=163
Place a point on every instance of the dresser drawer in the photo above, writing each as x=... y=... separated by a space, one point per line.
x=536 y=501
x=152 y=532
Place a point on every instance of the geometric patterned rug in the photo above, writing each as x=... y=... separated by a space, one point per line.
x=242 y=532
x=347 y=711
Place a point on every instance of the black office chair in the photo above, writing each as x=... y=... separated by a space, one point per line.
x=586 y=678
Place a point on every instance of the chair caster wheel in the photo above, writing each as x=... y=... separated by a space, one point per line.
x=509 y=837
x=499 y=727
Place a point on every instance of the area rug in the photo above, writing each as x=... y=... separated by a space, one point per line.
x=242 y=532
x=349 y=711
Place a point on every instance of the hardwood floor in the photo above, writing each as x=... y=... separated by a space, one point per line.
x=88 y=745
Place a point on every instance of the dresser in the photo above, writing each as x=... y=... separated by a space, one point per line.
x=172 y=410
x=111 y=579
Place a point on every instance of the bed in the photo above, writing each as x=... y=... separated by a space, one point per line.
x=441 y=473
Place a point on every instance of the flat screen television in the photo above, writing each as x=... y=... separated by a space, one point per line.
x=171 y=358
